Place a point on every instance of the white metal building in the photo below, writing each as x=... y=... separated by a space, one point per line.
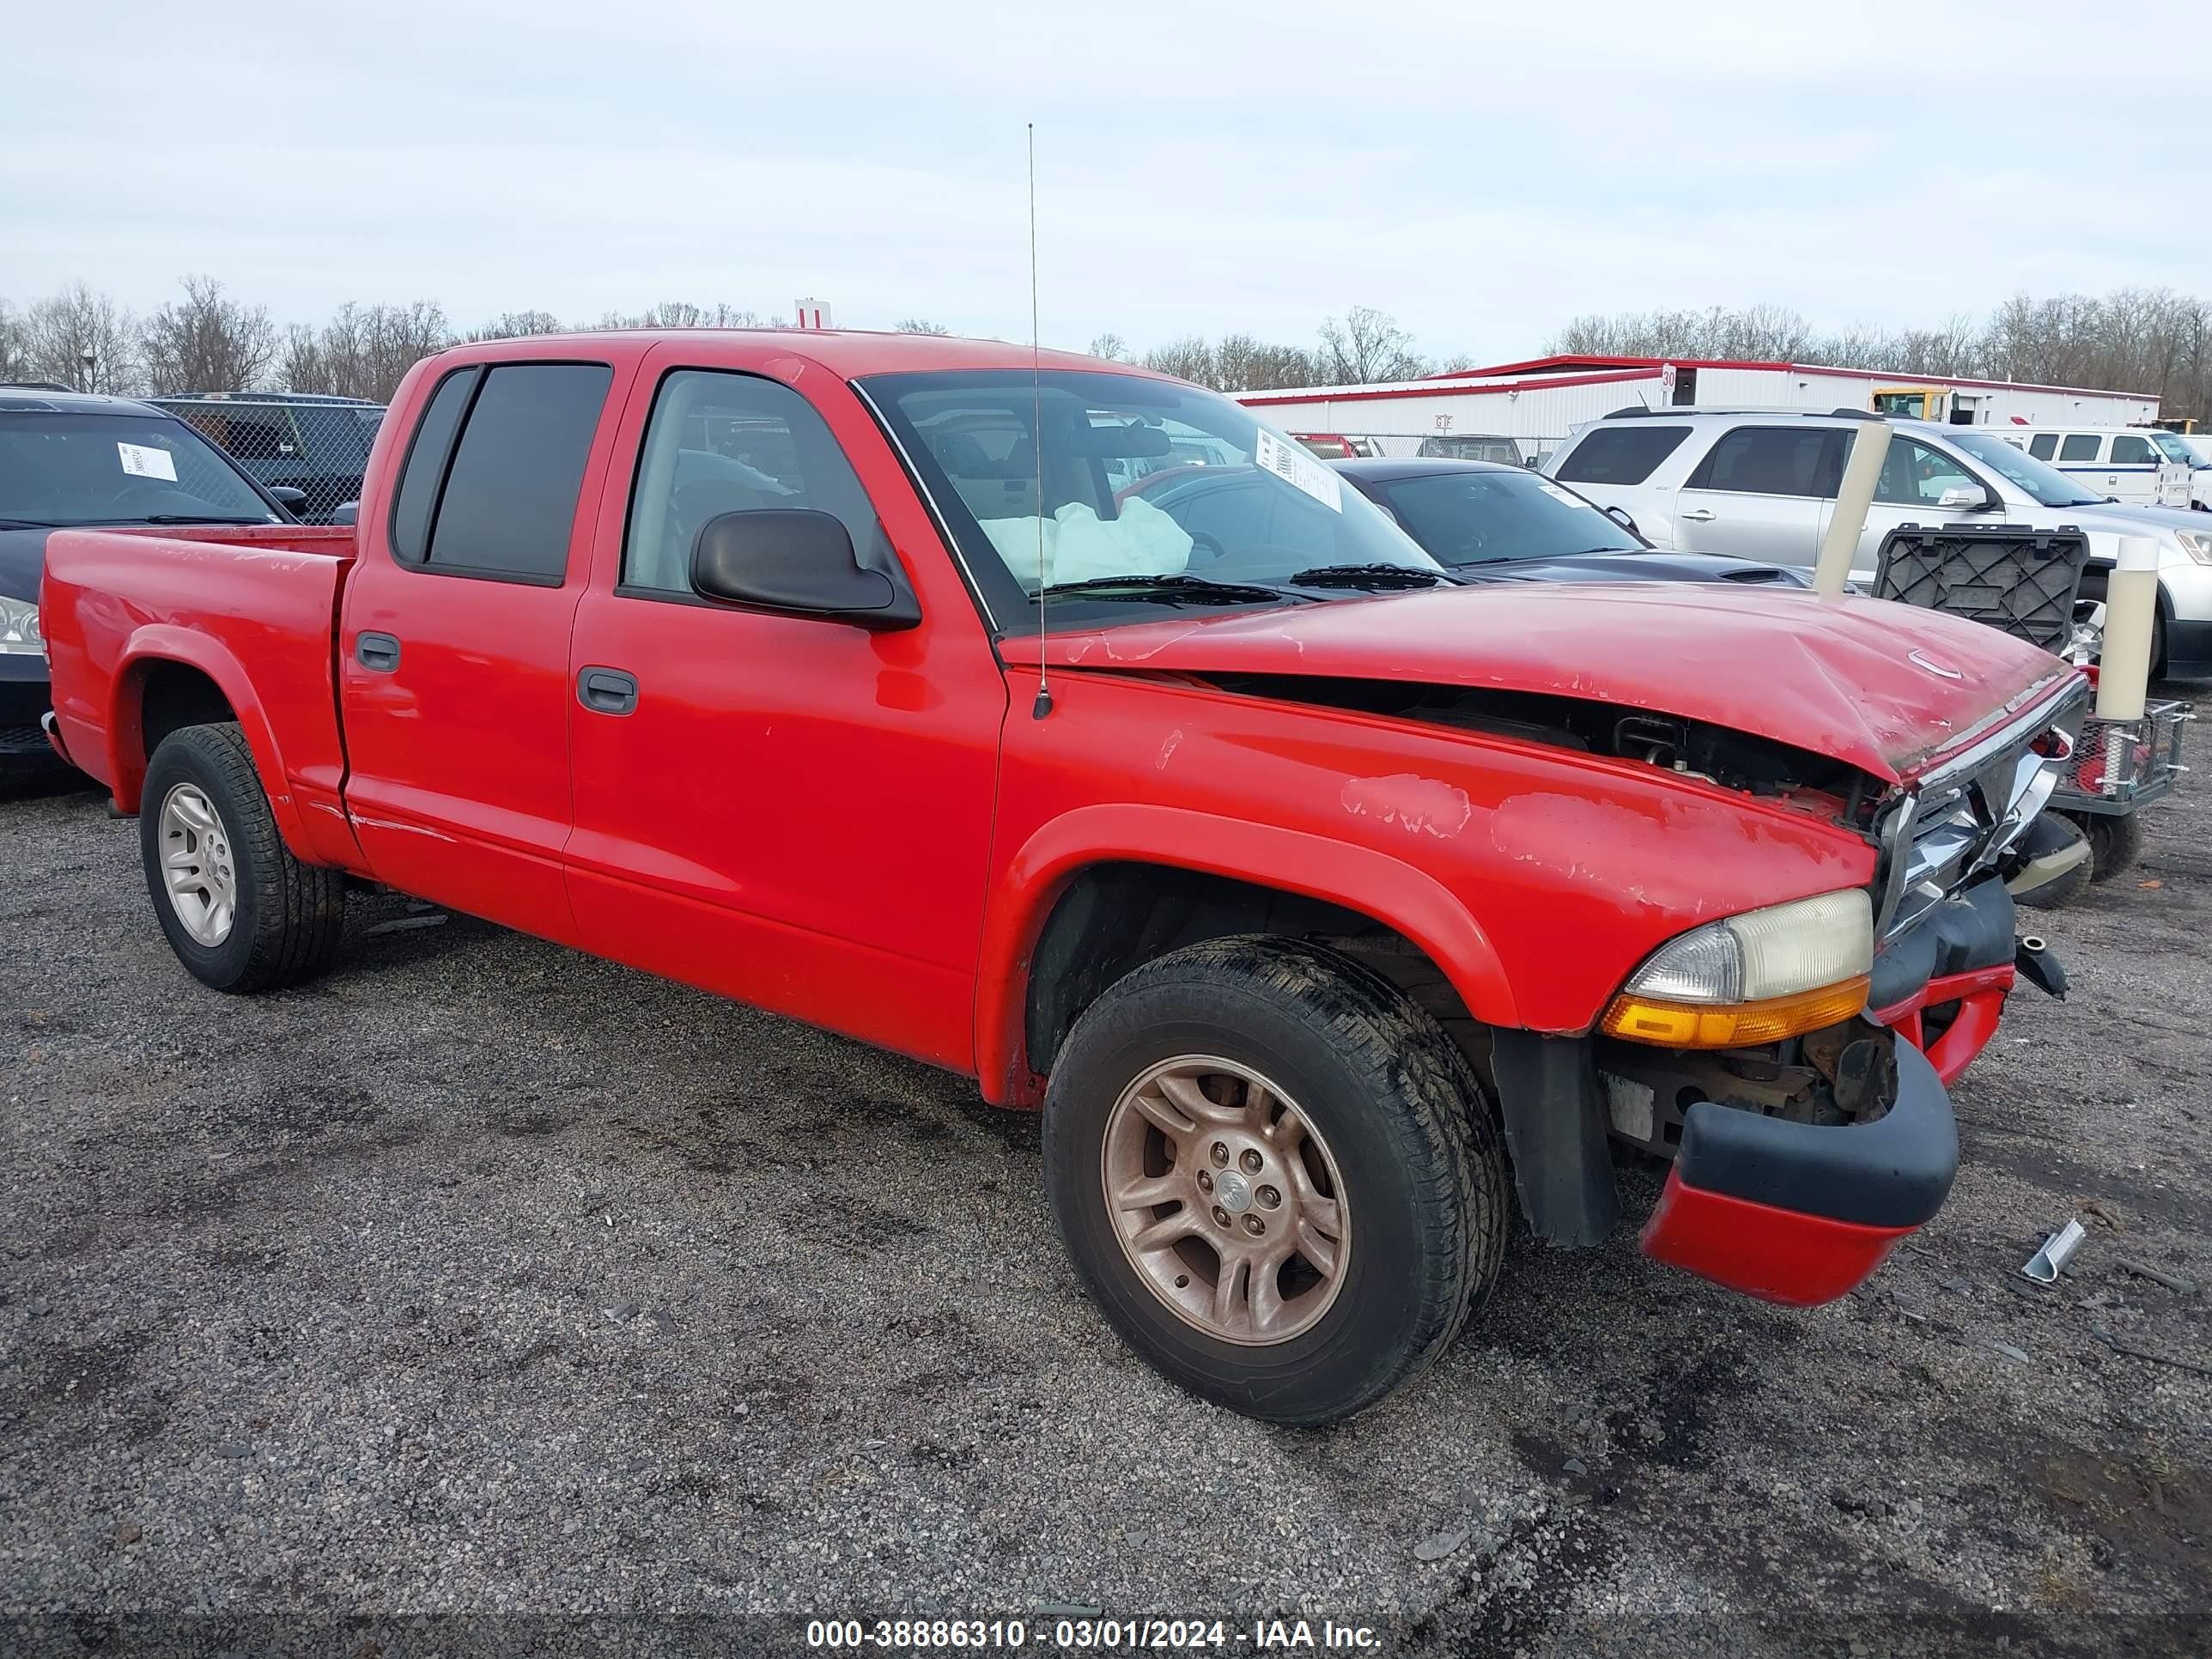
x=1537 y=402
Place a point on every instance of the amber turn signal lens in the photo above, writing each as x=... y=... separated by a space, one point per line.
x=1733 y=1025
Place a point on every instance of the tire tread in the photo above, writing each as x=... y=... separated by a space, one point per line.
x=299 y=909
x=1464 y=1193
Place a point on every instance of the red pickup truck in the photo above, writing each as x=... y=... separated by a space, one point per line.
x=1060 y=724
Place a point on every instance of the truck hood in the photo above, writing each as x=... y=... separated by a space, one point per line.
x=1885 y=687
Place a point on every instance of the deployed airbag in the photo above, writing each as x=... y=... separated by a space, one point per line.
x=1079 y=544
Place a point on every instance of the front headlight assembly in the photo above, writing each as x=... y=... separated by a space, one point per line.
x=18 y=628
x=1751 y=979
x=2197 y=543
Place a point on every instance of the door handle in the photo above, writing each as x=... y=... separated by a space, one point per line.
x=607 y=691
x=1700 y=515
x=378 y=653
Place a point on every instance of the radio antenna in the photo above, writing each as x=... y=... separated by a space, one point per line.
x=1044 y=704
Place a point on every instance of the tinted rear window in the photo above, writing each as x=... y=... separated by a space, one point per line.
x=510 y=497
x=1623 y=454
x=426 y=464
x=1767 y=460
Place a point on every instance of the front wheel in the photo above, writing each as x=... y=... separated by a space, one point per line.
x=240 y=912
x=2116 y=841
x=1276 y=1175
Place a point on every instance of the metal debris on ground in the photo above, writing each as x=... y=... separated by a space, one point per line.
x=2045 y=1264
x=2119 y=1345
x=2172 y=1282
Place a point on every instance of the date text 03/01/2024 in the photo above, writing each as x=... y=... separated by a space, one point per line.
x=1092 y=1633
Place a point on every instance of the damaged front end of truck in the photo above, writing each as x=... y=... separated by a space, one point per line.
x=1798 y=1163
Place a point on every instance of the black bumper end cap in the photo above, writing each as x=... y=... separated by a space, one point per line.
x=1894 y=1172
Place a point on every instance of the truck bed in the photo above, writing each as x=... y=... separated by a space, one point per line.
x=254 y=608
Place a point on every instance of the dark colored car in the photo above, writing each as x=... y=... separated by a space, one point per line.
x=68 y=460
x=306 y=441
x=1492 y=523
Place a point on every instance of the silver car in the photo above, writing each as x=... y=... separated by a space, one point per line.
x=1760 y=483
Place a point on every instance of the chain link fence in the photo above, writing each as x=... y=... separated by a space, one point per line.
x=1451 y=446
x=299 y=440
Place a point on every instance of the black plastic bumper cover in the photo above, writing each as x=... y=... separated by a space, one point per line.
x=1894 y=1172
x=1974 y=929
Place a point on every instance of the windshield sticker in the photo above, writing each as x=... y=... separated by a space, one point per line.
x=1296 y=467
x=1558 y=495
x=143 y=461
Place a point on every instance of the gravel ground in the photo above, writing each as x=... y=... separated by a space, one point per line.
x=483 y=1277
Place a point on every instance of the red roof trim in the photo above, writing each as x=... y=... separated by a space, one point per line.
x=1575 y=361
x=1353 y=395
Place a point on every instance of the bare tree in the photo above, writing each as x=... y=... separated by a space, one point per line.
x=920 y=326
x=1110 y=346
x=682 y=313
x=208 y=342
x=81 y=338
x=363 y=351
x=1188 y=359
x=14 y=346
x=1260 y=367
x=1366 y=345
x=517 y=325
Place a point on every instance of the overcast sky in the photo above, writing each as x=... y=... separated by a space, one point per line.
x=1482 y=172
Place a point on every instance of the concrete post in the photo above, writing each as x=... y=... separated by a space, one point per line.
x=2130 y=609
x=1848 y=522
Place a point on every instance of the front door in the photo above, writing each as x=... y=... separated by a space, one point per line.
x=1910 y=490
x=788 y=810
x=454 y=651
x=1761 y=493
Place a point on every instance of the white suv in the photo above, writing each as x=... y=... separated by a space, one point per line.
x=1760 y=483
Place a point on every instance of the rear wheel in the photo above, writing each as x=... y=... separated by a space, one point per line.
x=240 y=912
x=1276 y=1175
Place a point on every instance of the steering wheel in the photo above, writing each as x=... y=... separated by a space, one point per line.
x=1201 y=542
x=121 y=499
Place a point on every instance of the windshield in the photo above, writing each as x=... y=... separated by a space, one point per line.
x=1481 y=517
x=2173 y=449
x=63 y=469
x=1140 y=479
x=2046 y=484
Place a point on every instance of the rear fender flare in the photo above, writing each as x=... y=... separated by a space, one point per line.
x=1359 y=878
x=159 y=642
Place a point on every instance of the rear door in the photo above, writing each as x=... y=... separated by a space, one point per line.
x=789 y=809
x=1621 y=463
x=1762 y=492
x=454 y=646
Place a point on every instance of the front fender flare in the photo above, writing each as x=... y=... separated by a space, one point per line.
x=1359 y=878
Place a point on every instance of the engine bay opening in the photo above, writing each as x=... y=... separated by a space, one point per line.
x=1733 y=760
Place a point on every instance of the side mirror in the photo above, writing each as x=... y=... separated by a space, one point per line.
x=796 y=561
x=346 y=512
x=292 y=500
x=1965 y=498
x=1619 y=516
